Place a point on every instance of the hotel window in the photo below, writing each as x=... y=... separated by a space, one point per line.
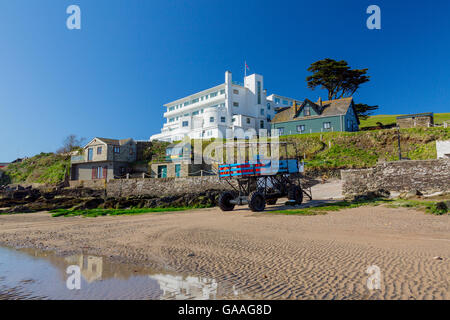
x=185 y=123
x=233 y=120
x=201 y=111
x=222 y=91
x=195 y=100
x=248 y=120
x=285 y=102
x=186 y=115
x=268 y=106
x=262 y=112
x=307 y=111
x=300 y=128
x=99 y=150
x=222 y=105
x=222 y=119
x=261 y=124
x=327 y=125
x=195 y=113
x=171 y=119
x=235 y=104
x=259 y=91
x=116 y=149
x=186 y=103
x=236 y=91
x=214 y=94
x=171 y=108
x=277 y=100
x=206 y=97
x=211 y=119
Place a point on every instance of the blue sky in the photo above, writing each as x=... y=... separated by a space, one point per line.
x=111 y=78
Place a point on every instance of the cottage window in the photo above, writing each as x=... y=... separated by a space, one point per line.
x=262 y=112
x=300 y=128
x=90 y=154
x=185 y=123
x=99 y=172
x=280 y=131
x=116 y=149
x=307 y=111
x=99 y=150
x=261 y=124
x=327 y=125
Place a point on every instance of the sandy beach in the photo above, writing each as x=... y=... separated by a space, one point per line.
x=266 y=255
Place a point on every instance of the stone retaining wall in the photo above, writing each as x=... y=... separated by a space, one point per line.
x=400 y=176
x=164 y=186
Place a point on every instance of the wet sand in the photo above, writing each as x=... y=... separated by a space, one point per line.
x=265 y=255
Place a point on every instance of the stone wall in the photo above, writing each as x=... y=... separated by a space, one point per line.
x=91 y=184
x=163 y=186
x=400 y=176
x=412 y=122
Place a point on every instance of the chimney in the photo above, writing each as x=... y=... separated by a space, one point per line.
x=295 y=107
x=320 y=102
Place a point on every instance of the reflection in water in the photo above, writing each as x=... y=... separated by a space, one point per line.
x=91 y=267
x=179 y=288
x=33 y=274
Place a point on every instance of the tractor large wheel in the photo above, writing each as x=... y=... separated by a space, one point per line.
x=224 y=201
x=256 y=201
x=295 y=194
x=271 y=201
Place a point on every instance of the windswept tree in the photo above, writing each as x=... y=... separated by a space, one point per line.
x=71 y=143
x=340 y=81
x=364 y=111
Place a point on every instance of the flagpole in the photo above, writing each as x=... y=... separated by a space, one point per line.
x=245 y=69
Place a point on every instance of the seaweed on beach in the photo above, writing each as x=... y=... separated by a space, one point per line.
x=111 y=212
x=431 y=207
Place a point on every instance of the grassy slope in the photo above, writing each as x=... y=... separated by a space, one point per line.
x=439 y=118
x=44 y=168
x=327 y=151
x=338 y=150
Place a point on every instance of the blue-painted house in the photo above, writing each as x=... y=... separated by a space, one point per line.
x=320 y=116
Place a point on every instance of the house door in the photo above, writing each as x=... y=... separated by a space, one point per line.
x=177 y=170
x=162 y=171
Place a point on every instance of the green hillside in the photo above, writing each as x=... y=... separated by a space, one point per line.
x=47 y=168
x=439 y=118
x=345 y=150
x=323 y=152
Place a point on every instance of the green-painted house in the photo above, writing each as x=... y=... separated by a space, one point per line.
x=320 y=116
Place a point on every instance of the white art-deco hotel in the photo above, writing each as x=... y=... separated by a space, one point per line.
x=208 y=114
